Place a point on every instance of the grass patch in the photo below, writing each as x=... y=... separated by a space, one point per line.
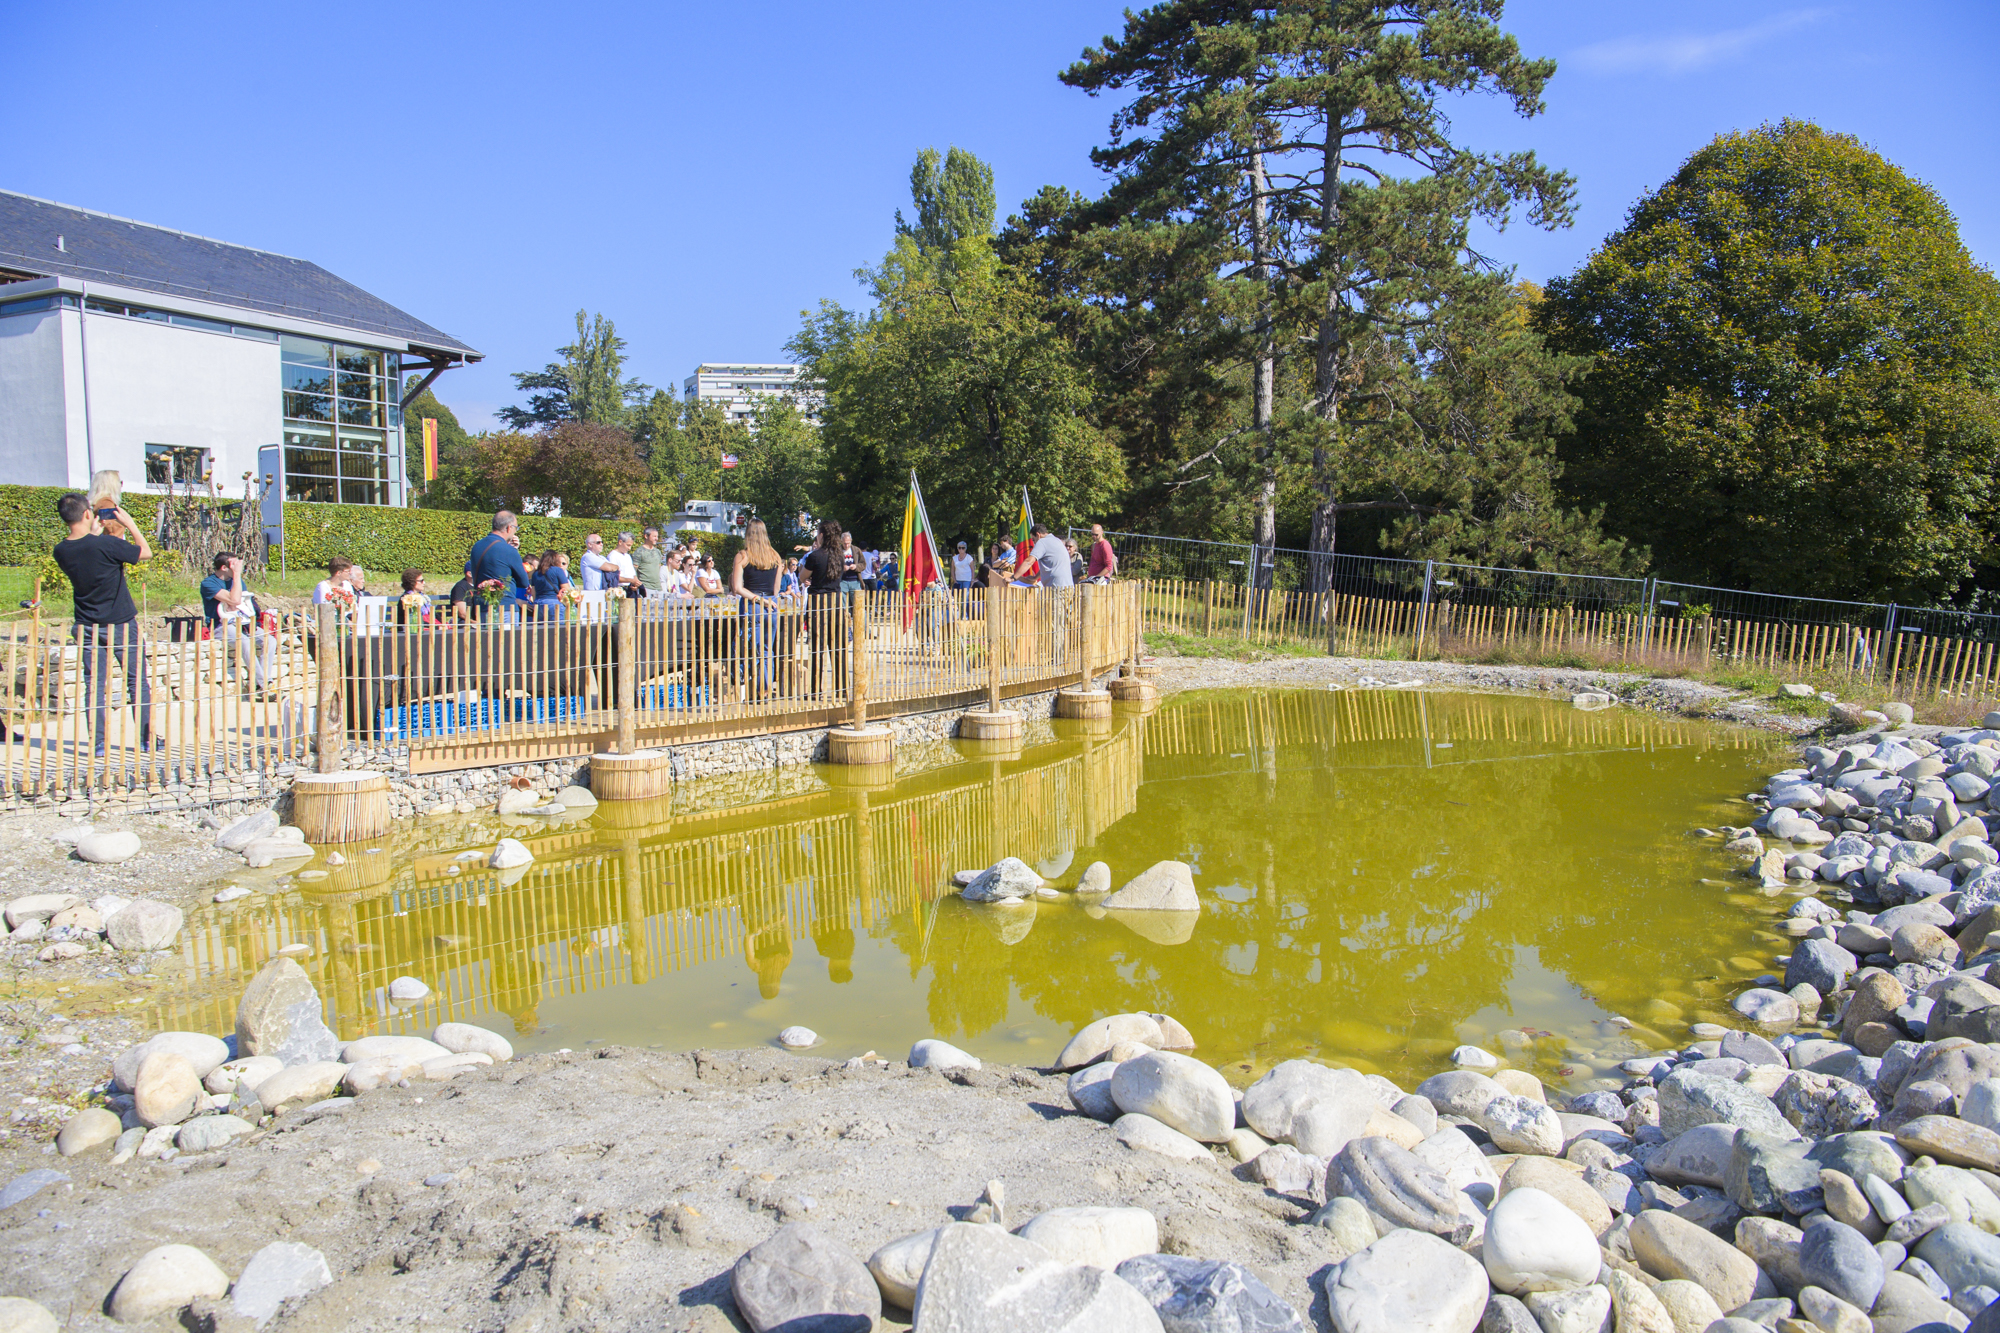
x=1163 y=644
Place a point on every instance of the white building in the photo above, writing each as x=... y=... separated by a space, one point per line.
x=171 y=357
x=738 y=386
x=710 y=516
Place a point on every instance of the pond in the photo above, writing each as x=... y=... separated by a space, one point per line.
x=1384 y=874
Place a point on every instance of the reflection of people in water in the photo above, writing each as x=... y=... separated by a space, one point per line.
x=767 y=938
x=833 y=931
x=517 y=987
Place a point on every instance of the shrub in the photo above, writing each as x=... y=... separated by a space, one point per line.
x=435 y=540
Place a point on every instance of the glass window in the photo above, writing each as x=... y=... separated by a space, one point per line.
x=261 y=335
x=175 y=465
x=358 y=359
x=363 y=493
x=103 y=307
x=309 y=406
x=358 y=386
x=308 y=379
x=368 y=467
x=363 y=441
x=191 y=322
x=305 y=351
x=309 y=472
x=360 y=414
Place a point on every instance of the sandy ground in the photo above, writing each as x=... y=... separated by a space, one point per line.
x=1685 y=698
x=616 y=1189
x=607 y=1190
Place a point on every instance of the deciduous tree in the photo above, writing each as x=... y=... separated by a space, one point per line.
x=1795 y=373
x=586 y=385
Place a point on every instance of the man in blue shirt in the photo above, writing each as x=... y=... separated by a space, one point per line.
x=232 y=617
x=593 y=562
x=494 y=560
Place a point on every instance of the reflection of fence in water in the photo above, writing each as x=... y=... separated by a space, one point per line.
x=608 y=907
x=1220 y=726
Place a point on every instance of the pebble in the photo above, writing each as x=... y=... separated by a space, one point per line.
x=1407 y=1282
x=18 y=1315
x=1518 y=1125
x=244 y=1074
x=509 y=854
x=211 y=1131
x=798 y=1038
x=408 y=988
x=465 y=1038
x=1090 y=1092
x=164 y=1280
x=298 y=1085
x=1536 y=1244
x=1472 y=1057
x=89 y=1128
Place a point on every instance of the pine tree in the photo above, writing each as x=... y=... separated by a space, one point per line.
x=586 y=385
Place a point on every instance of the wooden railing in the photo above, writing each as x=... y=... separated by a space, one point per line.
x=529 y=685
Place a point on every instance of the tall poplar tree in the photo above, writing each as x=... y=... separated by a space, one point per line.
x=588 y=384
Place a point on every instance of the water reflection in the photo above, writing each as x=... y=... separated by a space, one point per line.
x=1382 y=875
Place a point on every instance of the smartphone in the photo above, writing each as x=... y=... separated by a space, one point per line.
x=107 y=514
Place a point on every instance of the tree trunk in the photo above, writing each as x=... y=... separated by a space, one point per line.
x=1263 y=382
x=1326 y=361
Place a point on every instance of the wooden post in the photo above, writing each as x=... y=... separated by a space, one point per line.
x=331 y=723
x=1208 y=614
x=628 y=675
x=1084 y=672
x=991 y=603
x=857 y=660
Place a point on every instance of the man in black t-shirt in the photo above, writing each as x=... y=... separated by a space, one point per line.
x=107 y=624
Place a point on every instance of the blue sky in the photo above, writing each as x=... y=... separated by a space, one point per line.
x=703 y=173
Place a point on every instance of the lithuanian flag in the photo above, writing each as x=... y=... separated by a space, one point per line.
x=1024 y=541
x=919 y=561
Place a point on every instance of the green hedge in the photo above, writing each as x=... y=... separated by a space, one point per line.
x=433 y=540
x=376 y=538
x=29 y=528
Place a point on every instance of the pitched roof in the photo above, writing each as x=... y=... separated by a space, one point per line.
x=100 y=248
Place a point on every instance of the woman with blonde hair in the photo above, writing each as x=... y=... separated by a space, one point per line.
x=754 y=580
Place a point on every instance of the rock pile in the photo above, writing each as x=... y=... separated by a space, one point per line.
x=169 y=1279
x=73 y=927
x=188 y=1092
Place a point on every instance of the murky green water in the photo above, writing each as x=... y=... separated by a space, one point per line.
x=1383 y=875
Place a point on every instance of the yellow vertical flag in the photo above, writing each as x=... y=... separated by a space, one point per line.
x=430 y=449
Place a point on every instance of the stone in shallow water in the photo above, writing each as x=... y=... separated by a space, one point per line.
x=801 y=1279
x=280 y=1016
x=1208 y=1296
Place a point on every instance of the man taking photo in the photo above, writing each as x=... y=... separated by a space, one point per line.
x=107 y=623
x=231 y=613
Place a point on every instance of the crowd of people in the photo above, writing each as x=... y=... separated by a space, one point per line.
x=103 y=542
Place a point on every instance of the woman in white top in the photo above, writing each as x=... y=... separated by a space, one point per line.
x=708 y=580
x=674 y=576
x=338 y=585
x=963 y=566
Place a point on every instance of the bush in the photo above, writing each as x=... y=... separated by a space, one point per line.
x=29 y=528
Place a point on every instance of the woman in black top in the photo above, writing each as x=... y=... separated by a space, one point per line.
x=822 y=570
x=754 y=580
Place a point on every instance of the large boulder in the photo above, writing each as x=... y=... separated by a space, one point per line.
x=1167 y=886
x=1273 y=1101
x=1177 y=1090
x=280 y=1015
x=1095 y=1040
x=800 y=1279
x=166 y=1279
x=1689 y=1098
x=1407 y=1282
x=1204 y=1295
x=142 y=925
x=1534 y=1243
x=1671 y=1247
x=1103 y=1237
x=980 y=1278
x=1006 y=880
x=1398 y=1188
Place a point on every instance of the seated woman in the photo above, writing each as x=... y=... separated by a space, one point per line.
x=414 y=606
x=549 y=584
x=679 y=583
x=708 y=581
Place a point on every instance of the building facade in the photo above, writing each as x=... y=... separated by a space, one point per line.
x=738 y=385
x=175 y=359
